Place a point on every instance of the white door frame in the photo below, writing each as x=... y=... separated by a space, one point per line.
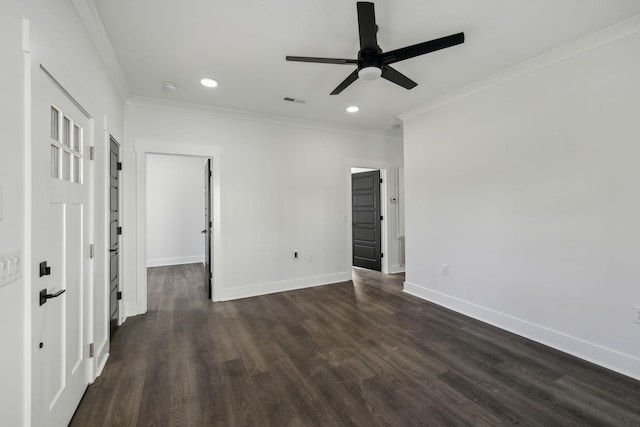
x=142 y=148
x=384 y=167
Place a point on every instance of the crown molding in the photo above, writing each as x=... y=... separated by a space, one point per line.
x=593 y=41
x=161 y=104
x=94 y=26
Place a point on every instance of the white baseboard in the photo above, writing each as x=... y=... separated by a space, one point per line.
x=623 y=363
x=101 y=365
x=285 y=285
x=394 y=269
x=133 y=309
x=160 y=262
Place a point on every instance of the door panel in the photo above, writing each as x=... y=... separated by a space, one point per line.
x=366 y=218
x=73 y=247
x=364 y=235
x=366 y=232
x=61 y=224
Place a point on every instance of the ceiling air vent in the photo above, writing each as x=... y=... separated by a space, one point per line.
x=297 y=101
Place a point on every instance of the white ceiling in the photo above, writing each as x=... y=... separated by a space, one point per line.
x=243 y=43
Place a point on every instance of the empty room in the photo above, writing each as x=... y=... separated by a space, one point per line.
x=327 y=213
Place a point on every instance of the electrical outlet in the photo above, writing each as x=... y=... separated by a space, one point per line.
x=636 y=313
x=445 y=269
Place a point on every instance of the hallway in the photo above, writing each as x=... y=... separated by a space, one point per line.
x=347 y=354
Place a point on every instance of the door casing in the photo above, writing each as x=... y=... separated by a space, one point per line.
x=114 y=240
x=136 y=302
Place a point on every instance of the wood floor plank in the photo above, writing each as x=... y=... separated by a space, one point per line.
x=358 y=353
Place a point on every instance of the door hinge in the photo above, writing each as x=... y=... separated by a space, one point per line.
x=381 y=255
x=91 y=349
x=380 y=180
x=91 y=250
x=210 y=224
x=209 y=174
x=119 y=295
x=119 y=166
x=381 y=218
x=91 y=153
x=119 y=230
x=210 y=275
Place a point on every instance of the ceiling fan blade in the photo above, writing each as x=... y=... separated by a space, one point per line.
x=397 y=77
x=421 y=48
x=342 y=86
x=322 y=60
x=367 y=26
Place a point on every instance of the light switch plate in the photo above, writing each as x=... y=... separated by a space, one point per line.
x=10 y=267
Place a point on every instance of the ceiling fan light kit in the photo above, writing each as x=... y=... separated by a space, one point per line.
x=372 y=62
x=369 y=73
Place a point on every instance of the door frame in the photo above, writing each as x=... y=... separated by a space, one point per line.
x=142 y=148
x=383 y=167
x=101 y=293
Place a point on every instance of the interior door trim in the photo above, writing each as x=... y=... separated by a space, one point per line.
x=136 y=302
x=384 y=168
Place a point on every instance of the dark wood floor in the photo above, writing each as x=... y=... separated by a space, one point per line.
x=360 y=353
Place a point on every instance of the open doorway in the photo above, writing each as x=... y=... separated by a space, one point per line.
x=178 y=215
x=391 y=210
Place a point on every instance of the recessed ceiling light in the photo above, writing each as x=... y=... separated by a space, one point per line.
x=208 y=82
x=353 y=109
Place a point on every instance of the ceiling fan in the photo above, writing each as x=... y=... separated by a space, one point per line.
x=372 y=62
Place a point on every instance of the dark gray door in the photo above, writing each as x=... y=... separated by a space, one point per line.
x=207 y=226
x=114 y=234
x=366 y=235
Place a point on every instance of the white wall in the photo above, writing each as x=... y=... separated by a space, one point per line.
x=58 y=40
x=12 y=296
x=528 y=189
x=284 y=188
x=175 y=209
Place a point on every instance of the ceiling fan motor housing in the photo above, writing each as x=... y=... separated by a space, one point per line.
x=369 y=58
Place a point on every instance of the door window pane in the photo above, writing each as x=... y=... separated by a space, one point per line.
x=66 y=166
x=55 y=162
x=55 y=124
x=77 y=173
x=66 y=132
x=77 y=138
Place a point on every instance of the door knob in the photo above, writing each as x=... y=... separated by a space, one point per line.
x=44 y=296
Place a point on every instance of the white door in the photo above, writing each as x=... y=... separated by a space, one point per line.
x=61 y=186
